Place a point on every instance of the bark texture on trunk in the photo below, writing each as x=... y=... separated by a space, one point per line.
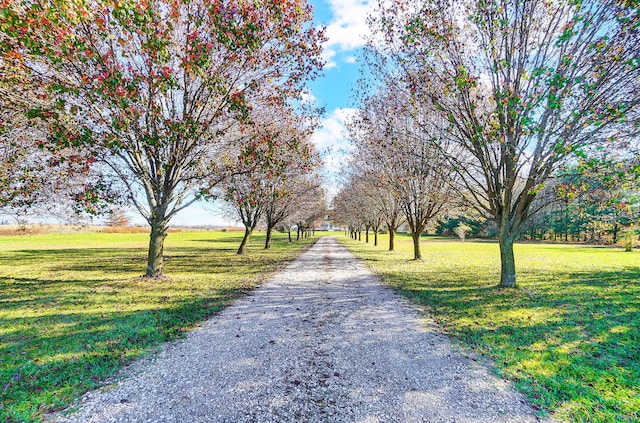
x=417 y=255
x=155 y=259
x=375 y=238
x=392 y=236
x=267 y=243
x=507 y=262
x=245 y=240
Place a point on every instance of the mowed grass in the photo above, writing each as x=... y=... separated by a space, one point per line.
x=74 y=309
x=568 y=336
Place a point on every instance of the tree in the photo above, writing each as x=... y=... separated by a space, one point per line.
x=288 y=196
x=31 y=176
x=314 y=208
x=118 y=218
x=296 y=181
x=398 y=147
x=522 y=86
x=342 y=210
x=587 y=204
x=461 y=230
x=389 y=208
x=276 y=152
x=21 y=166
x=303 y=207
x=364 y=201
x=244 y=194
x=156 y=88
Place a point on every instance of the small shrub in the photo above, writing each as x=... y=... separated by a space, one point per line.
x=461 y=230
x=629 y=239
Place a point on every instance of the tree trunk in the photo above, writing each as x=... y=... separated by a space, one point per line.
x=366 y=234
x=417 y=255
x=360 y=235
x=155 y=259
x=566 y=221
x=375 y=237
x=245 y=240
x=289 y=232
x=267 y=243
x=298 y=234
x=507 y=262
x=392 y=236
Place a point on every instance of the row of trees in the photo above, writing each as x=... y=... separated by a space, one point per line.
x=574 y=206
x=281 y=189
x=590 y=208
x=480 y=103
x=157 y=103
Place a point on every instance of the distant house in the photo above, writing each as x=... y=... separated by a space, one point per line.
x=328 y=224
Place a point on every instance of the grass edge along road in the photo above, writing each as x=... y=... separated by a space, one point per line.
x=568 y=336
x=74 y=309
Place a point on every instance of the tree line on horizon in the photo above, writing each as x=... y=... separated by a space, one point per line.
x=572 y=208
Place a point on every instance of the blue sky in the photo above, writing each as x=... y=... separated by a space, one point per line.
x=345 y=33
x=346 y=29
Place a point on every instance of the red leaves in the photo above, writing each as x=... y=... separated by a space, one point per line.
x=167 y=72
x=124 y=69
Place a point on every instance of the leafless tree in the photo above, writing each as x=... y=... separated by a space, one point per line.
x=399 y=148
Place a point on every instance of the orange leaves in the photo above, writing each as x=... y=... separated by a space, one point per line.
x=161 y=82
x=166 y=72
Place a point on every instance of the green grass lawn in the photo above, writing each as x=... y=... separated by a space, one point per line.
x=568 y=336
x=74 y=310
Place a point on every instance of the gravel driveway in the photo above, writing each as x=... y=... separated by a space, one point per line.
x=323 y=341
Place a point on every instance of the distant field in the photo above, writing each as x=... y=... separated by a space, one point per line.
x=569 y=336
x=47 y=229
x=74 y=310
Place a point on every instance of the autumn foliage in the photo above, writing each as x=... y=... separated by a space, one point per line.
x=153 y=92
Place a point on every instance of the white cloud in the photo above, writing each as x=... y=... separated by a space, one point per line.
x=332 y=141
x=351 y=59
x=348 y=29
x=308 y=98
x=332 y=130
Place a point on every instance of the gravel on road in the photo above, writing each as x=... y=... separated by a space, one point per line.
x=323 y=341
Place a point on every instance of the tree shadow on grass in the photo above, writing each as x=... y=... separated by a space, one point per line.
x=47 y=360
x=567 y=338
x=132 y=262
x=71 y=317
